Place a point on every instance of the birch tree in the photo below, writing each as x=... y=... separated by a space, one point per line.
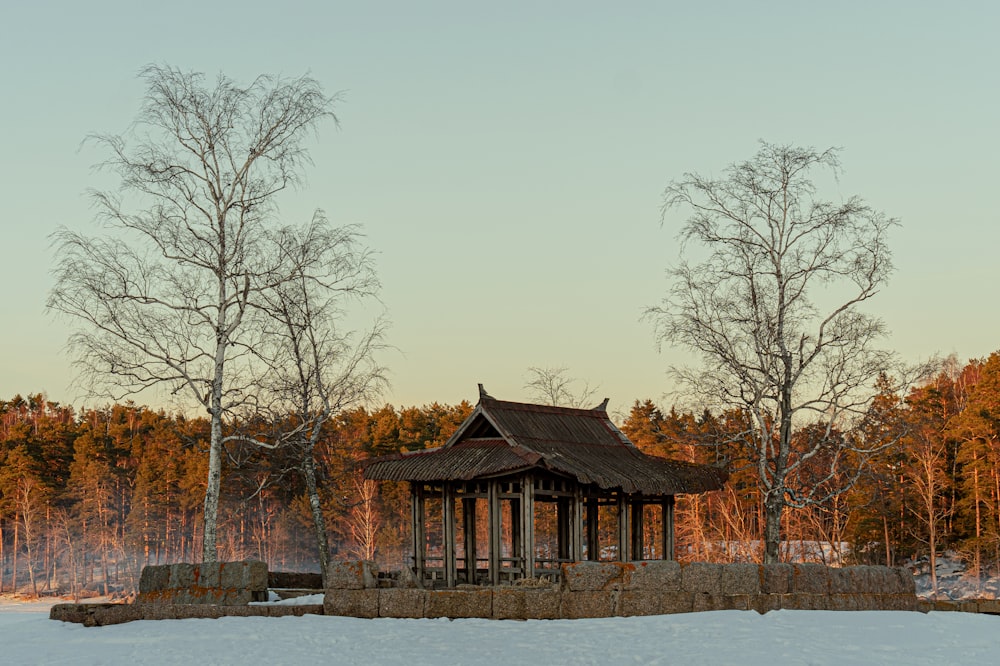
x=164 y=296
x=772 y=304
x=552 y=386
x=319 y=364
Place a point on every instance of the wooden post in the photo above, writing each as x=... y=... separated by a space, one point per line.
x=527 y=553
x=638 y=531
x=448 y=532
x=493 y=518
x=576 y=525
x=668 y=528
x=563 y=517
x=419 y=541
x=624 y=531
x=516 y=529
x=593 y=547
x=469 y=537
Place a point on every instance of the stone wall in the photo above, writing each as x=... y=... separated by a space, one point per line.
x=607 y=589
x=100 y=615
x=221 y=583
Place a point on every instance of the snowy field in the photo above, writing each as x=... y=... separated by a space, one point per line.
x=27 y=636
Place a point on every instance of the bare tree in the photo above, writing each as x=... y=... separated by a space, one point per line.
x=552 y=386
x=318 y=364
x=163 y=298
x=364 y=520
x=773 y=308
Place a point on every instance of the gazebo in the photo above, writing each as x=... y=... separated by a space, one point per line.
x=550 y=484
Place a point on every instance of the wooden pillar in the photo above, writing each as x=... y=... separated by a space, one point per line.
x=624 y=529
x=527 y=550
x=448 y=532
x=419 y=540
x=593 y=547
x=668 y=527
x=563 y=517
x=469 y=537
x=516 y=529
x=576 y=525
x=638 y=531
x=493 y=518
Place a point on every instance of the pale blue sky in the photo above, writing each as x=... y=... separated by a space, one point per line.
x=507 y=159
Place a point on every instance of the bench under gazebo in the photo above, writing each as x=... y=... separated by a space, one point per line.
x=550 y=485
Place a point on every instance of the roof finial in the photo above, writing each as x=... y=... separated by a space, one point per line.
x=483 y=395
x=603 y=407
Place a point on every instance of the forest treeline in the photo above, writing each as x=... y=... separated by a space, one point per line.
x=89 y=497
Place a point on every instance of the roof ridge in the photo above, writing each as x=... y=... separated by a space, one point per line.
x=552 y=409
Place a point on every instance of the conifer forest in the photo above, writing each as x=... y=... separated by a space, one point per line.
x=88 y=497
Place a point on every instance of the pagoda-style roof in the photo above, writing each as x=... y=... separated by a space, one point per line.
x=501 y=438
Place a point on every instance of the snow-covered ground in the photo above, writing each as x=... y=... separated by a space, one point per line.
x=27 y=636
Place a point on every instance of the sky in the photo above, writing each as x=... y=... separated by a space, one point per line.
x=507 y=161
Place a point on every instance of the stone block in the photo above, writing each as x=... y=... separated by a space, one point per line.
x=842 y=580
x=401 y=602
x=204 y=595
x=799 y=601
x=660 y=575
x=459 y=603
x=526 y=604
x=776 y=578
x=715 y=602
x=741 y=578
x=593 y=576
x=249 y=575
x=181 y=576
x=582 y=604
x=743 y=602
x=298 y=611
x=842 y=601
x=810 y=579
x=676 y=602
x=157 y=611
x=701 y=577
x=900 y=602
x=76 y=613
x=351 y=603
x=763 y=603
x=989 y=606
x=639 y=602
x=905 y=582
x=154 y=577
x=356 y=575
x=207 y=575
x=871 y=579
x=968 y=606
x=886 y=580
